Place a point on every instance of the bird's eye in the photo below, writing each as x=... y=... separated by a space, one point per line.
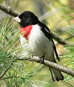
x=23 y=17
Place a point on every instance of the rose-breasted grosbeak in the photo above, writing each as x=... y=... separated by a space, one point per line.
x=39 y=40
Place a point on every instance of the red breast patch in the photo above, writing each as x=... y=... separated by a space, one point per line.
x=25 y=31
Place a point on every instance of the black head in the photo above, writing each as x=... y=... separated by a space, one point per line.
x=26 y=18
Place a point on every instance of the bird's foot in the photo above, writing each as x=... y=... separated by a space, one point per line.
x=41 y=60
x=29 y=58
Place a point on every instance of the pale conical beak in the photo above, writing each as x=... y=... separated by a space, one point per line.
x=17 y=19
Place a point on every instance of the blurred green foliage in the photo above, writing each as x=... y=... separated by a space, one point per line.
x=31 y=74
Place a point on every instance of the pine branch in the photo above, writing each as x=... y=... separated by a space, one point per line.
x=51 y=64
x=9 y=10
x=46 y=62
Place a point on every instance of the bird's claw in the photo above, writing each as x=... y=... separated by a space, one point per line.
x=41 y=60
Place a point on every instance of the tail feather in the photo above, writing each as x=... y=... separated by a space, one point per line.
x=56 y=74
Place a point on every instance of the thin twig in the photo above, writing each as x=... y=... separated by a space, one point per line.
x=6 y=70
x=12 y=77
x=59 y=39
x=8 y=10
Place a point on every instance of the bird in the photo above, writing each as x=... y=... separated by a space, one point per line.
x=39 y=39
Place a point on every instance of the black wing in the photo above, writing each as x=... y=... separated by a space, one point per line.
x=46 y=31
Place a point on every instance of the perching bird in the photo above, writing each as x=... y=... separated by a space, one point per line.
x=39 y=39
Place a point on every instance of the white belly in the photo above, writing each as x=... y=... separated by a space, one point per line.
x=39 y=44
